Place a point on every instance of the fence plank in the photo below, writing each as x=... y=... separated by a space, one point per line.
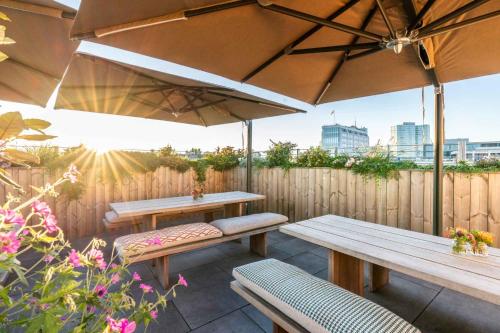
x=428 y=203
x=494 y=207
x=360 y=198
x=342 y=192
x=370 y=200
x=318 y=191
x=381 y=201
x=392 y=202
x=447 y=201
x=325 y=195
x=334 y=192
x=461 y=200
x=479 y=202
x=404 y=200
x=417 y=201
x=310 y=192
x=351 y=195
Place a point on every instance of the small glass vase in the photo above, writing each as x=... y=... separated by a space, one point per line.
x=481 y=249
x=459 y=247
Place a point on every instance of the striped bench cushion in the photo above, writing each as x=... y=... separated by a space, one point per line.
x=315 y=304
x=149 y=241
x=235 y=225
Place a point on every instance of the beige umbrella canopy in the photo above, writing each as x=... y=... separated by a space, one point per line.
x=41 y=53
x=316 y=51
x=99 y=85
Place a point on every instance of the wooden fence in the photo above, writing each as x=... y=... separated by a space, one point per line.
x=469 y=201
x=83 y=217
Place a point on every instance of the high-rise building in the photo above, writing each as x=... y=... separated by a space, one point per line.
x=341 y=138
x=410 y=139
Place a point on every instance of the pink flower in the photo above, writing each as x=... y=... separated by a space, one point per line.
x=115 y=278
x=154 y=241
x=71 y=174
x=182 y=281
x=146 y=288
x=9 y=242
x=91 y=308
x=12 y=217
x=114 y=266
x=98 y=257
x=121 y=326
x=154 y=314
x=136 y=277
x=42 y=208
x=74 y=259
x=48 y=258
x=100 y=290
x=50 y=224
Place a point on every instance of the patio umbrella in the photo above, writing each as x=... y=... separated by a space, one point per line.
x=317 y=51
x=99 y=85
x=42 y=49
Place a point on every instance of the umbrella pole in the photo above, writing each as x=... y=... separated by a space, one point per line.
x=249 y=163
x=438 y=159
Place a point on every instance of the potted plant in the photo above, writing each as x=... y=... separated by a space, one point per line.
x=482 y=240
x=460 y=240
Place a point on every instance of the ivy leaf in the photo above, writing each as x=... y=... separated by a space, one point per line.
x=11 y=125
x=4 y=17
x=36 y=124
x=36 y=137
x=19 y=156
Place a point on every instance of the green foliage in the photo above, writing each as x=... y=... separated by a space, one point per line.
x=200 y=168
x=168 y=150
x=314 y=157
x=224 y=158
x=142 y=161
x=339 y=161
x=175 y=162
x=46 y=154
x=280 y=154
x=73 y=191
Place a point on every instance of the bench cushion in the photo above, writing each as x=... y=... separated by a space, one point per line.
x=235 y=225
x=315 y=304
x=137 y=244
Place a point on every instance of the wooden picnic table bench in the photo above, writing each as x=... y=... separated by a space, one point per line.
x=146 y=211
x=423 y=256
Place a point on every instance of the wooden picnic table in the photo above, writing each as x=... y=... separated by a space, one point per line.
x=232 y=203
x=423 y=256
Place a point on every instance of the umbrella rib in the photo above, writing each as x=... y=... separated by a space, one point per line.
x=459 y=25
x=297 y=41
x=462 y=10
x=258 y=102
x=32 y=69
x=314 y=19
x=328 y=83
x=421 y=14
x=37 y=9
x=337 y=48
x=387 y=21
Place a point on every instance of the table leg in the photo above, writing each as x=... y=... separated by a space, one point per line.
x=378 y=277
x=346 y=272
x=278 y=329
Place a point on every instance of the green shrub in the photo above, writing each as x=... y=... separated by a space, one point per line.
x=73 y=191
x=224 y=158
x=46 y=154
x=200 y=169
x=280 y=154
x=314 y=157
x=339 y=161
x=175 y=162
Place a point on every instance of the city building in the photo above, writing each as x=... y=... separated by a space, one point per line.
x=339 y=138
x=463 y=149
x=409 y=140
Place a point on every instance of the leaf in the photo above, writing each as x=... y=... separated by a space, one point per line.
x=36 y=137
x=4 y=17
x=20 y=275
x=66 y=289
x=36 y=124
x=20 y=156
x=3 y=56
x=11 y=125
x=5 y=178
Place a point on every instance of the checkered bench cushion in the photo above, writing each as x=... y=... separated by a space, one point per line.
x=315 y=304
x=137 y=244
x=235 y=225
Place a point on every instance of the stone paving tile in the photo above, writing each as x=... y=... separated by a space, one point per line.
x=262 y=321
x=228 y=263
x=308 y=261
x=321 y=251
x=234 y=322
x=204 y=276
x=454 y=312
x=276 y=236
x=294 y=246
x=184 y=261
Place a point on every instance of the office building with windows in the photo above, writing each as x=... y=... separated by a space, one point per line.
x=410 y=139
x=338 y=138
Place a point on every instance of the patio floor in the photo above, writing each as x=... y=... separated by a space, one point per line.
x=209 y=305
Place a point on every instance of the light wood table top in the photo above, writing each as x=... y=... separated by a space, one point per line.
x=179 y=204
x=416 y=254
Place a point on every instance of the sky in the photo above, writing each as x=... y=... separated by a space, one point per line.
x=472 y=110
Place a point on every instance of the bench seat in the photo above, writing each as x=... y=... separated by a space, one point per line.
x=314 y=304
x=235 y=225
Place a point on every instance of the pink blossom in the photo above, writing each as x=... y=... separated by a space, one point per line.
x=115 y=278
x=114 y=266
x=11 y=217
x=48 y=258
x=154 y=314
x=42 y=208
x=146 y=288
x=25 y=232
x=9 y=242
x=136 y=277
x=182 y=281
x=91 y=308
x=121 y=326
x=50 y=224
x=98 y=257
x=154 y=241
x=74 y=259
x=100 y=290
x=71 y=174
